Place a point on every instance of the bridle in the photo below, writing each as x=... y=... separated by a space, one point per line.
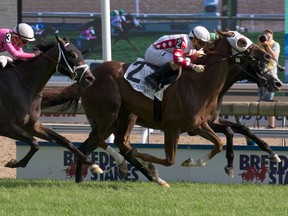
x=243 y=56
x=67 y=64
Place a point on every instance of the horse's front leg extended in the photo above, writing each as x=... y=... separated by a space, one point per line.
x=220 y=128
x=242 y=129
x=206 y=132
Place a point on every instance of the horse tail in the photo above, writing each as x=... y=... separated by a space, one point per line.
x=67 y=97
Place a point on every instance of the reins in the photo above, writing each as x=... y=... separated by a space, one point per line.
x=227 y=57
x=67 y=66
x=61 y=54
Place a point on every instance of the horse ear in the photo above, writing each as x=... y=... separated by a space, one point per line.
x=57 y=38
x=60 y=40
x=66 y=40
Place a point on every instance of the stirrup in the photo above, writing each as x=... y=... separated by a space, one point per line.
x=152 y=83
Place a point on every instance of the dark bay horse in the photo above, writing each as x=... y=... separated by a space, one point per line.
x=220 y=125
x=21 y=88
x=114 y=106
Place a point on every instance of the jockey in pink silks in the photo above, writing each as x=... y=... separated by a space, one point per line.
x=179 y=49
x=12 y=41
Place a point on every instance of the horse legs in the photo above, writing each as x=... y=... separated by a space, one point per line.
x=206 y=132
x=241 y=129
x=125 y=38
x=39 y=130
x=219 y=128
x=122 y=140
x=17 y=133
x=91 y=143
x=171 y=141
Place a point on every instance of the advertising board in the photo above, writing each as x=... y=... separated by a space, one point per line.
x=250 y=164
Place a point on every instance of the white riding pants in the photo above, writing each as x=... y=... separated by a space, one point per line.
x=157 y=57
x=4 y=60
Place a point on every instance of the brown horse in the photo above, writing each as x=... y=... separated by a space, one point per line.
x=21 y=86
x=193 y=108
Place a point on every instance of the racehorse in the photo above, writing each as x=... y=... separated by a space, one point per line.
x=219 y=125
x=193 y=112
x=21 y=86
x=130 y=23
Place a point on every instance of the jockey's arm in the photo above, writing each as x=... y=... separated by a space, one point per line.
x=180 y=59
x=17 y=53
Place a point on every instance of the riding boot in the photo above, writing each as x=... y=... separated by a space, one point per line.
x=154 y=78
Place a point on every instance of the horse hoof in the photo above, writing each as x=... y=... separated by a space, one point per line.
x=161 y=182
x=11 y=163
x=122 y=170
x=229 y=171
x=275 y=158
x=187 y=162
x=95 y=169
x=190 y=162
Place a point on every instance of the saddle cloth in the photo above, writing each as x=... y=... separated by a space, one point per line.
x=135 y=75
x=4 y=60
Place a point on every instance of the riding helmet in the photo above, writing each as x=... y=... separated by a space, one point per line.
x=24 y=31
x=201 y=33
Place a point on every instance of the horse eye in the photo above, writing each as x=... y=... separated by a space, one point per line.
x=74 y=55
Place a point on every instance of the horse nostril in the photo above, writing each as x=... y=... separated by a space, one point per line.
x=278 y=84
x=263 y=81
x=267 y=56
x=90 y=79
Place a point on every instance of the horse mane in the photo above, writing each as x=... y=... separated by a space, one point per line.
x=45 y=45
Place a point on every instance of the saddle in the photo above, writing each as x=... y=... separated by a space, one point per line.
x=138 y=70
x=135 y=75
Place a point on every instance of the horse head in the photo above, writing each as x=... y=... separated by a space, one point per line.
x=253 y=60
x=131 y=23
x=72 y=64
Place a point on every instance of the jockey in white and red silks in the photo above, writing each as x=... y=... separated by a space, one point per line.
x=181 y=49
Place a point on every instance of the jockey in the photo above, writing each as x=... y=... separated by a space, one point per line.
x=181 y=49
x=12 y=41
x=116 y=23
x=122 y=15
x=86 y=35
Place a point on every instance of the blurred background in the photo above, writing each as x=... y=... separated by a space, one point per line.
x=148 y=21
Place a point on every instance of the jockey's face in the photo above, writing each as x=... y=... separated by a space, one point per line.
x=20 y=42
x=197 y=44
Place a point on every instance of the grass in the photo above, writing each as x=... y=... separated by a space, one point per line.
x=51 y=197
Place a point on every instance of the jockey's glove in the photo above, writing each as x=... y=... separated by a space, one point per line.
x=200 y=53
x=37 y=53
x=198 y=68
